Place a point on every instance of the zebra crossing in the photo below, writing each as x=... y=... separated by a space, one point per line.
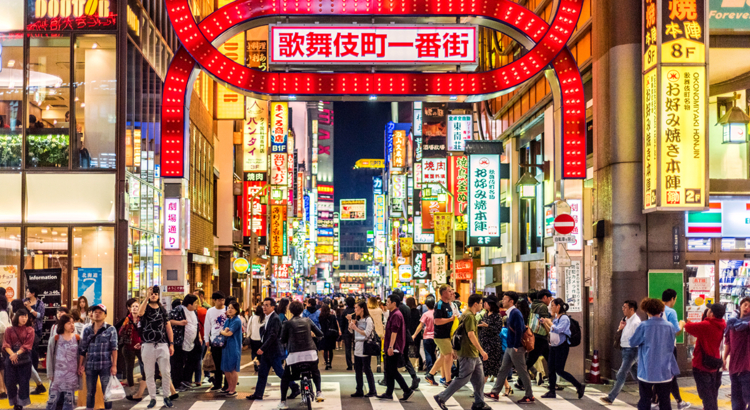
x=337 y=390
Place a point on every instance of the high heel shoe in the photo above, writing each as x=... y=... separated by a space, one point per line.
x=508 y=391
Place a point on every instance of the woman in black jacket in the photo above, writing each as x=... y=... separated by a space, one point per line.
x=297 y=333
x=329 y=325
x=412 y=325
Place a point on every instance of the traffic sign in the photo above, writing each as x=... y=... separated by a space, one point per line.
x=564 y=224
x=565 y=239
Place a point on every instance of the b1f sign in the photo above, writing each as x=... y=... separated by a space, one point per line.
x=484 y=200
x=385 y=44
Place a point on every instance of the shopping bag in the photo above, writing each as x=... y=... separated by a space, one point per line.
x=114 y=390
x=208 y=362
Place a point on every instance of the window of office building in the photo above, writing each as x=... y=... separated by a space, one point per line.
x=93 y=264
x=11 y=98
x=10 y=261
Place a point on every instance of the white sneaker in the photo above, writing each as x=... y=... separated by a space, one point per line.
x=319 y=397
x=654 y=406
x=683 y=405
x=282 y=406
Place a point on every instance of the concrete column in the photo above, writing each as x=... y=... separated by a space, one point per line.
x=617 y=193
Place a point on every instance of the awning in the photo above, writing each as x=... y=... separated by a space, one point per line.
x=201 y=259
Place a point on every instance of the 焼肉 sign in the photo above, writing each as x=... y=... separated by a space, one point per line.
x=386 y=44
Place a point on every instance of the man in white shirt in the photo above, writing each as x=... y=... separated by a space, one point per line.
x=215 y=318
x=629 y=354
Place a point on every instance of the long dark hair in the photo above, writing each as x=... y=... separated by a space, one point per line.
x=365 y=311
x=523 y=306
x=61 y=323
x=325 y=311
x=282 y=306
x=3 y=302
x=259 y=313
x=562 y=305
x=19 y=313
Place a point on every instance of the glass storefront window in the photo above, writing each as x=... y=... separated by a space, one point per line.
x=93 y=144
x=11 y=19
x=734 y=283
x=47 y=248
x=699 y=244
x=735 y=244
x=701 y=291
x=48 y=93
x=11 y=98
x=94 y=265
x=10 y=261
x=10 y=199
x=70 y=197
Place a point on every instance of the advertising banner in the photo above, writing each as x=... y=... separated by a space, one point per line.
x=398 y=186
x=438 y=268
x=379 y=44
x=279 y=126
x=353 y=209
x=434 y=171
x=484 y=200
x=277 y=235
x=464 y=269
x=458 y=182
x=90 y=284
x=172 y=223
x=460 y=129
x=443 y=222
x=434 y=130
x=429 y=208
x=49 y=284
x=254 y=213
x=420 y=269
x=255 y=136
x=380 y=214
x=398 y=156
x=9 y=281
x=279 y=172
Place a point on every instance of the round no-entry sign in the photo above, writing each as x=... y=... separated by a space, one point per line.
x=564 y=224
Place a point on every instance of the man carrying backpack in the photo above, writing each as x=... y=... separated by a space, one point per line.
x=539 y=311
x=515 y=354
x=469 y=362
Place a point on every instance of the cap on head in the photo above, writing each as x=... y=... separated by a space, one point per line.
x=718 y=310
x=98 y=307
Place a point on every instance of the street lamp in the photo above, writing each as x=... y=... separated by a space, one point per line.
x=735 y=125
x=526 y=185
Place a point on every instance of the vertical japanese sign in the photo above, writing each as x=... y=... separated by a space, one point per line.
x=172 y=223
x=324 y=149
x=255 y=136
x=459 y=130
x=484 y=200
x=443 y=222
x=417 y=175
x=417 y=124
x=230 y=105
x=438 y=268
x=279 y=126
x=458 y=182
x=398 y=157
x=279 y=172
x=254 y=212
x=573 y=287
x=398 y=186
x=380 y=214
x=420 y=270
x=575 y=212
x=429 y=208
x=434 y=171
x=675 y=147
x=300 y=193
x=90 y=284
x=434 y=130
x=277 y=236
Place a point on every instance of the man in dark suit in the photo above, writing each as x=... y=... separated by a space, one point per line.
x=271 y=352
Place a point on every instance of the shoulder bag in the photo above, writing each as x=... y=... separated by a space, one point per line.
x=372 y=344
x=23 y=358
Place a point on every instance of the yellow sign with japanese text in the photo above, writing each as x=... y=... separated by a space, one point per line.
x=230 y=105
x=683 y=37
x=682 y=151
x=650 y=138
x=398 y=159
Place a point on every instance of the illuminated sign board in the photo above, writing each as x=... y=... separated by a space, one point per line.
x=484 y=200
x=398 y=186
x=230 y=105
x=370 y=163
x=380 y=214
x=64 y=15
x=458 y=182
x=386 y=44
x=434 y=171
x=254 y=211
x=420 y=270
x=429 y=208
x=171 y=223
x=459 y=130
x=439 y=267
x=279 y=172
x=398 y=157
x=725 y=218
x=277 y=235
x=255 y=137
x=417 y=123
x=353 y=209
x=577 y=214
x=675 y=146
x=279 y=126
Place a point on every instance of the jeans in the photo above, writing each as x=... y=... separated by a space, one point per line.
x=218 y=374
x=469 y=369
x=151 y=354
x=708 y=384
x=17 y=383
x=362 y=365
x=91 y=377
x=558 y=356
x=392 y=375
x=517 y=358
x=647 y=391
x=130 y=356
x=289 y=375
x=429 y=353
x=177 y=364
x=68 y=398
x=267 y=362
x=740 y=390
x=629 y=365
x=348 y=346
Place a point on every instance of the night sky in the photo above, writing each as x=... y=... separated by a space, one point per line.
x=358 y=133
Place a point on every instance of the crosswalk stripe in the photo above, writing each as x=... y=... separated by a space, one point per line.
x=429 y=391
x=558 y=403
x=141 y=405
x=270 y=400
x=596 y=395
x=381 y=404
x=207 y=405
x=332 y=394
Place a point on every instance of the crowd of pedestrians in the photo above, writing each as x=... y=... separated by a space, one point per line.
x=487 y=339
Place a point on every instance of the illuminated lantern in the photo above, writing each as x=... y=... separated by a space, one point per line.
x=735 y=126
x=526 y=185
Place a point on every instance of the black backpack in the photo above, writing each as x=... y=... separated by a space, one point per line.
x=575 y=332
x=458 y=336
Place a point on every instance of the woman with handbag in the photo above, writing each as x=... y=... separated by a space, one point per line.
x=19 y=340
x=4 y=325
x=366 y=343
x=559 y=346
x=329 y=325
x=257 y=320
x=707 y=354
x=377 y=317
x=131 y=349
x=62 y=364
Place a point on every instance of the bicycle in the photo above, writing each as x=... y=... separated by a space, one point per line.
x=306 y=389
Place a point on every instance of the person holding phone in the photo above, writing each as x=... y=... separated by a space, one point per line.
x=157 y=344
